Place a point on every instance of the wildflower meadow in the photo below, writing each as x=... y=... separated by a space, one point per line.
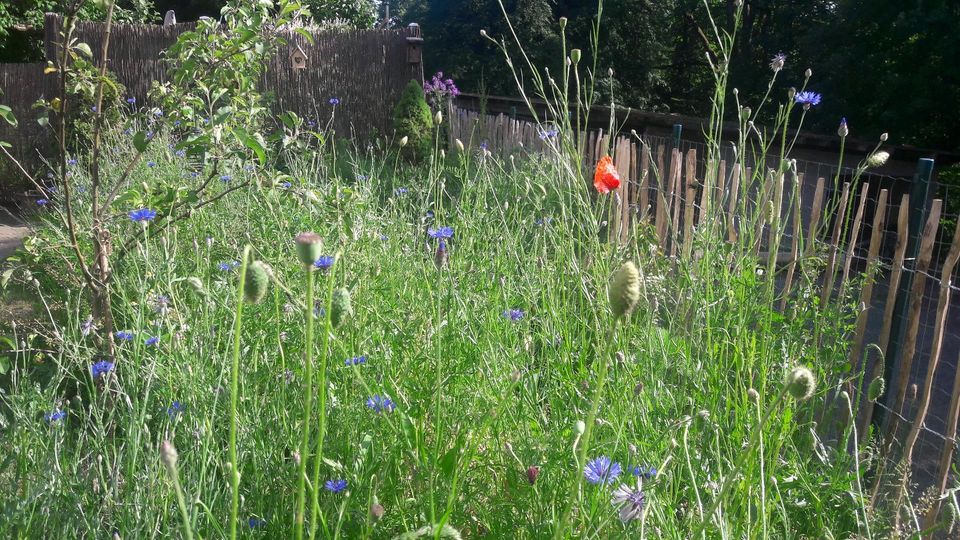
x=251 y=325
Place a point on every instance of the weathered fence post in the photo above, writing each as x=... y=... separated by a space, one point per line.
x=919 y=192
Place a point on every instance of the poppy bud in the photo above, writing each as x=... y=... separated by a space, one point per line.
x=753 y=395
x=791 y=93
x=808 y=73
x=884 y=137
x=341 y=308
x=438 y=118
x=532 y=472
x=403 y=141
x=625 y=289
x=257 y=282
x=801 y=383
x=377 y=511
x=168 y=455
x=580 y=427
x=575 y=56
x=876 y=389
x=459 y=144
x=309 y=245
x=483 y=32
x=563 y=22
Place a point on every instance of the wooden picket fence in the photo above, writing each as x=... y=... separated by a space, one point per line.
x=867 y=225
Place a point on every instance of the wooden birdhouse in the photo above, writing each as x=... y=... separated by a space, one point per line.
x=414 y=44
x=298 y=58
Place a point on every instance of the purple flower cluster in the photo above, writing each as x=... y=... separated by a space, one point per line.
x=439 y=89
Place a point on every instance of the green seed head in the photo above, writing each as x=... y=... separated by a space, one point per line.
x=309 y=247
x=625 y=289
x=341 y=308
x=195 y=284
x=801 y=383
x=876 y=389
x=257 y=282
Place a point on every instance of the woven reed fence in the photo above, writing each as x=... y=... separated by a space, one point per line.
x=906 y=310
x=365 y=69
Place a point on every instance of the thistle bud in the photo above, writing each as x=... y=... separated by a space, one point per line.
x=438 y=118
x=801 y=383
x=876 y=389
x=878 y=159
x=403 y=141
x=842 y=130
x=459 y=144
x=532 y=472
x=341 y=308
x=257 y=282
x=168 y=455
x=625 y=289
x=309 y=246
x=575 y=56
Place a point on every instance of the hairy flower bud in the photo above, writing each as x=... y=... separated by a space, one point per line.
x=341 y=308
x=195 y=284
x=438 y=118
x=625 y=289
x=579 y=427
x=483 y=32
x=575 y=56
x=376 y=511
x=459 y=144
x=876 y=389
x=168 y=455
x=878 y=159
x=532 y=472
x=843 y=131
x=884 y=137
x=753 y=395
x=257 y=282
x=309 y=246
x=801 y=383
x=403 y=141
x=808 y=73
x=563 y=22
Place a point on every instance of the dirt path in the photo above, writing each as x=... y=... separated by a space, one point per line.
x=11 y=234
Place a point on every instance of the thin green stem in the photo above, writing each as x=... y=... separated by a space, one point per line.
x=307 y=410
x=234 y=391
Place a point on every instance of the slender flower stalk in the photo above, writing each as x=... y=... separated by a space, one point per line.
x=234 y=391
x=307 y=408
x=168 y=456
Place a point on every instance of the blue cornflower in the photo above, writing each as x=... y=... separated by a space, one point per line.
x=324 y=262
x=128 y=131
x=142 y=215
x=384 y=237
x=362 y=177
x=93 y=108
x=807 y=99
x=442 y=232
x=540 y=222
x=484 y=145
x=194 y=174
x=286 y=185
x=355 y=361
x=53 y=416
x=124 y=335
x=151 y=341
x=335 y=486
x=513 y=314
x=42 y=202
x=548 y=134
x=248 y=167
x=256 y=523
x=601 y=471
x=151 y=164
x=228 y=265
x=100 y=368
x=225 y=178
x=158 y=113
x=430 y=214
x=71 y=162
x=131 y=100
x=174 y=409
x=380 y=403
x=644 y=471
x=400 y=191
x=180 y=153
x=334 y=101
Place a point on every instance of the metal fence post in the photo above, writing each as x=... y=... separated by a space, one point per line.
x=677 y=131
x=919 y=192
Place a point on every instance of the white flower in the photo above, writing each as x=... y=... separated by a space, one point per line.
x=878 y=159
x=630 y=501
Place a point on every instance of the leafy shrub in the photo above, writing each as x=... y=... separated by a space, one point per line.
x=412 y=119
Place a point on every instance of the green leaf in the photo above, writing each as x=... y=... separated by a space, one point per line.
x=251 y=143
x=84 y=49
x=5 y=278
x=140 y=141
x=7 y=114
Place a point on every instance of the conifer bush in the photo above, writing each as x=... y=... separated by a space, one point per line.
x=412 y=119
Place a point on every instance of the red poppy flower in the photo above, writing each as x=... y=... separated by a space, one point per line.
x=606 y=176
